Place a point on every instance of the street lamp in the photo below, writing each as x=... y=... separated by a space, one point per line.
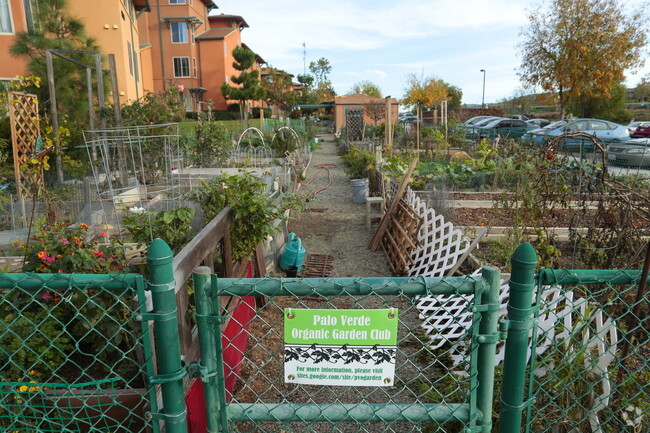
x=483 y=99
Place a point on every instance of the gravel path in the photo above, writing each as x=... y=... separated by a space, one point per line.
x=332 y=224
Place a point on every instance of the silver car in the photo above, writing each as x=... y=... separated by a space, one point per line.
x=633 y=153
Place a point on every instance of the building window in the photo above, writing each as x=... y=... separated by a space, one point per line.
x=5 y=17
x=128 y=47
x=177 y=2
x=225 y=49
x=181 y=67
x=136 y=71
x=194 y=66
x=192 y=35
x=179 y=32
x=29 y=18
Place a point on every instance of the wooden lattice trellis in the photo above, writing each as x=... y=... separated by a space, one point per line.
x=23 y=115
x=354 y=124
x=399 y=240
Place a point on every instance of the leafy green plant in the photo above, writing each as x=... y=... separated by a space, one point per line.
x=173 y=226
x=254 y=212
x=213 y=144
x=358 y=162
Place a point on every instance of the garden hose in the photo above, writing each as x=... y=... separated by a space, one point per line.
x=321 y=167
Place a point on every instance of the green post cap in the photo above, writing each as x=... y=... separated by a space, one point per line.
x=525 y=256
x=160 y=252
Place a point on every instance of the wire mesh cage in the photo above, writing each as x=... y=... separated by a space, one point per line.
x=134 y=168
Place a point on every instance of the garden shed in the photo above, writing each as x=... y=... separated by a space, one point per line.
x=373 y=109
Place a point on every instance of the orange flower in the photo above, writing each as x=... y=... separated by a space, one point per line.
x=638 y=223
x=84 y=226
x=41 y=254
x=104 y=234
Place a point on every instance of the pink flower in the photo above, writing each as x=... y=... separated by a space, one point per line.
x=64 y=241
x=46 y=296
x=98 y=253
x=49 y=259
x=181 y=88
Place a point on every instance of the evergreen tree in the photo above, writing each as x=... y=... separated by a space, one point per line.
x=248 y=83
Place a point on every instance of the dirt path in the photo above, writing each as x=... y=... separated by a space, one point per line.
x=332 y=224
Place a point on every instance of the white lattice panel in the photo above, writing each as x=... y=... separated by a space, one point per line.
x=440 y=244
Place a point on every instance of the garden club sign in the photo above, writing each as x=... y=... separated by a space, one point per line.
x=340 y=347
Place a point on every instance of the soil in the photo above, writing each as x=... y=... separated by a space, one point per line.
x=332 y=224
x=503 y=217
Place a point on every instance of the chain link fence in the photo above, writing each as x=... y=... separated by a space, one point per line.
x=591 y=361
x=72 y=359
x=430 y=391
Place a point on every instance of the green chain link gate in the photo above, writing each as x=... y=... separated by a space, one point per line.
x=591 y=368
x=72 y=359
x=427 y=393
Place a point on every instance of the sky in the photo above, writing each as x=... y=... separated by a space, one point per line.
x=384 y=40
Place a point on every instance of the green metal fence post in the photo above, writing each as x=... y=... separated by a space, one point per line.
x=487 y=340
x=206 y=323
x=518 y=324
x=168 y=347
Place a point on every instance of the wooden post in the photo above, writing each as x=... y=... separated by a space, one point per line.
x=389 y=126
x=54 y=115
x=417 y=131
x=121 y=152
x=262 y=118
x=91 y=111
x=376 y=239
x=100 y=89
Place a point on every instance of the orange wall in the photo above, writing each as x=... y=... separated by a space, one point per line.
x=217 y=66
x=114 y=28
x=160 y=32
x=339 y=115
x=12 y=66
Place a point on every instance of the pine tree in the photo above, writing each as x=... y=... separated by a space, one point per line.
x=249 y=87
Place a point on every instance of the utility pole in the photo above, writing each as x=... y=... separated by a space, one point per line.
x=483 y=99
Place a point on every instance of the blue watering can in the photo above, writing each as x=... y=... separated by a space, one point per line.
x=294 y=253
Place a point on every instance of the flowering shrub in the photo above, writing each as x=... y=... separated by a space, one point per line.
x=65 y=248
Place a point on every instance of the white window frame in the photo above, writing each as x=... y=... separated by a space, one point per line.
x=171 y=29
x=194 y=68
x=12 y=30
x=177 y=2
x=189 y=70
x=192 y=35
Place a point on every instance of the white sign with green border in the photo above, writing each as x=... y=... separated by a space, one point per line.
x=340 y=347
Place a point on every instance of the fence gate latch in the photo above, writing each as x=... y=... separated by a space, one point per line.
x=196 y=369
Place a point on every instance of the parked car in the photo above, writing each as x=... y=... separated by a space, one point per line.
x=519 y=117
x=407 y=118
x=537 y=135
x=538 y=123
x=639 y=129
x=634 y=152
x=473 y=120
x=603 y=129
x=506 y=128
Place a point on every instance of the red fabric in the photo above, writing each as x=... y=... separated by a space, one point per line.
x=234 y=340
x=235 y=337
x=196 y=416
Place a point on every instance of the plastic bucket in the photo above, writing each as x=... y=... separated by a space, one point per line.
x=359 y=190
x=291 y=271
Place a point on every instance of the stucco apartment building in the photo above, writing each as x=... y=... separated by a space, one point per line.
x=157 y=44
